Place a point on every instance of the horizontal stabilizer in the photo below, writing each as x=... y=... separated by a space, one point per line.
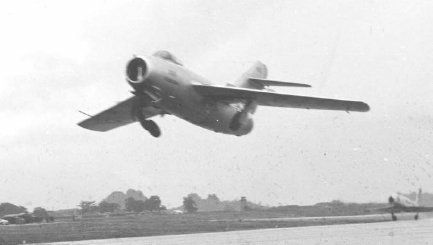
x=265 y=98
x=261 y=83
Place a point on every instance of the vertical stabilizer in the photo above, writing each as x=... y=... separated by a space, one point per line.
x=258 y=70
x=418 y=197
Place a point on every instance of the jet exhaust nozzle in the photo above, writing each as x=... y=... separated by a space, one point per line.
x=137 y=71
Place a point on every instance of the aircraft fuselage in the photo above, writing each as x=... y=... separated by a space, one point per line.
x=400 y=201
x=168 y=86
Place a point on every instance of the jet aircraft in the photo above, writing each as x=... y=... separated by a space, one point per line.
x=162 y=85
x=400 y=203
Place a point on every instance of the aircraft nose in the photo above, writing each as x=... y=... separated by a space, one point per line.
x=136 y=72
x=391 y=200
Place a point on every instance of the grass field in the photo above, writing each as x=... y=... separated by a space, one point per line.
x=155 y=224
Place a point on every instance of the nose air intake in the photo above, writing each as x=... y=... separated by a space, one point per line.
x=136 y=71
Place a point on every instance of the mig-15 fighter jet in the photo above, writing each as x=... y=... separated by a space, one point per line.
x=162 y=85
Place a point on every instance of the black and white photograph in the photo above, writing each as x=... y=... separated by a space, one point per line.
x=216 y=122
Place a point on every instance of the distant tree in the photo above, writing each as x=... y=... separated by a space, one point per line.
x=214 y=198
x=153 y=203
x=129 y=204
x=244 y=204
x=28 y=218
x=337 y=203
x=40 y=213
x=87 y=206
x=9 y=208
x=108 y=207
x=229 y=208
x=133 y=205
x=195 y=197
x=189 y=204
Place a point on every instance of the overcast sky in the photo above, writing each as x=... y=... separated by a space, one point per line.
x=57 y=57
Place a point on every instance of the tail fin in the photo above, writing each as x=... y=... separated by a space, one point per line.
x=258 y=70
x=418 y=197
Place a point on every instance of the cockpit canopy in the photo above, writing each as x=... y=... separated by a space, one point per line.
x=167 y=56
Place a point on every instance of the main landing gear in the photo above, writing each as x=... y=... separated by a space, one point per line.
x=394 y=218
x=149 y=125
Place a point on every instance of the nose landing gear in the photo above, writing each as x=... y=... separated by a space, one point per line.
x=149 y=125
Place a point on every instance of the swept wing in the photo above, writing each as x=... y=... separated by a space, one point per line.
x=266 y=98
x=119 y=115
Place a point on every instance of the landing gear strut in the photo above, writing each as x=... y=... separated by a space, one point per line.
x=149 y=125
x=394 y=218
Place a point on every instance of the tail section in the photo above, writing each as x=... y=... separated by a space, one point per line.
x=258 y=70
x=255 y=78
x=418 y=197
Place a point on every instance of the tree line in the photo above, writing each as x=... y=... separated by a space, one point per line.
x=152 y=204
x=19 y=214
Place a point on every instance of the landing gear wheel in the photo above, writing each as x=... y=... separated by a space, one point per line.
x=152 y=127
x=394 y=218
x=416 y=217
x=149 y=125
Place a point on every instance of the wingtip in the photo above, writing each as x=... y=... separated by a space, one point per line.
x=82 y=124
x=366 y=107
x=358 y=107
x=89 y=126
x=86 y=124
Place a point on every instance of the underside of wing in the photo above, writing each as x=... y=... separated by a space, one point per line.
x=119 y=115
x=266 y=98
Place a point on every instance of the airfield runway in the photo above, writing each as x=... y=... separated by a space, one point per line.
x=400 y=232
